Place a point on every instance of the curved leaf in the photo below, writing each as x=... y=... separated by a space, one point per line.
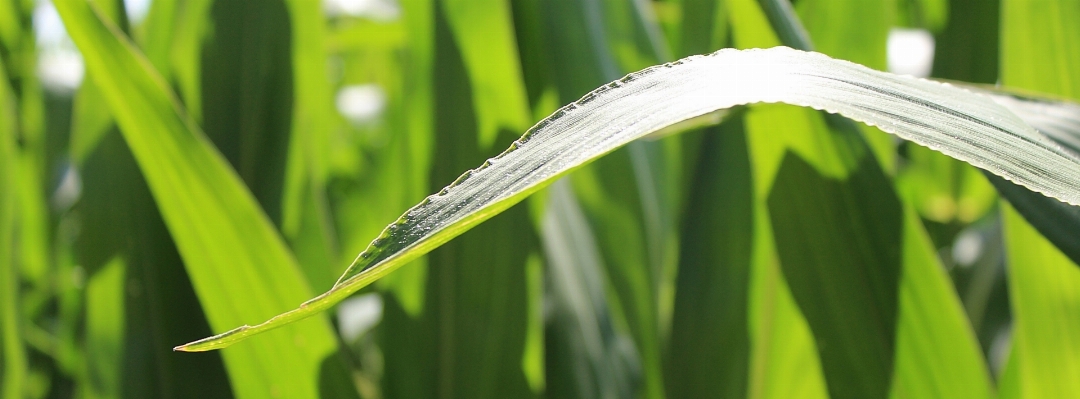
x=237 y=262
x=956 y=122
x=1060 y=120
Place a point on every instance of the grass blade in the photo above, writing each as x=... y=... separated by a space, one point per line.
x=483 y=30
x=1044 y=285
x=586 y=356
x=14 y=359
x=240 y=267
x=628 y=216
x=475 y=316
x=953 y=121
x=709 y=348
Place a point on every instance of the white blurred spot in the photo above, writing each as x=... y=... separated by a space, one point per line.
x=967 y=248
x=359 y=314
x=68 y=190
x=137 y=10
x=60 y=66
x=381 y=10
x=48 y=27
x=361 y=103
x=911 y=52
x=60 y=70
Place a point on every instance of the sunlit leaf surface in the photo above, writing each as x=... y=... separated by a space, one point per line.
x=948 y=119
x=238 y=263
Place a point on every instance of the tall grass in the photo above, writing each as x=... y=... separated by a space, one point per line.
x=221 y=162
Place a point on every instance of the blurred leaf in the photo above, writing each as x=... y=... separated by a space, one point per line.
x=105 y=330
x=1043 y=283
x=912 y=327
x=474 y=326
x=247 y=93
x=708 y=353
x=240 y=267
x=156 y=34
x=932 y=15
x=627 y=197
x=364 y=34
x=1044 y=287
x=306 y=220
x=14 y=364
x=159 y=306
x=185 y=53
x=586 y=356
x=943 y=189
x=1009 y=381
x=784 y=360
x=968 y=47
x=846 y=287
x=937 y=352
x=849 y=30
x=704 y=27
x=484 y=32
x=855 y=31
x=617 y=113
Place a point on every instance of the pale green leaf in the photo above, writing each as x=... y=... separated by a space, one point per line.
x=238 y=264
x=951 y=120
x=600 y=361
x=483 y=31
x=13 y=364
x=1044 y=285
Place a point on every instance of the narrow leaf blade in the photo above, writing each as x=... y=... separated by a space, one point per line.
x=951 y=120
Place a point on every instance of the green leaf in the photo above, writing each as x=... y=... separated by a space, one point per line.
x=704 y=26
x=1044 y=286
x=850 y=306
x=483 y=30
x=937 y=352
x=946 y=118
x=305 y=215
x=709 y=349
x=247 y=94
x=160 y=306
x=105 y=330
x=586 y=356
x=592 y=42
x=238 y=264
x=14 y=359
x=474 y=321
x=909 y=319
x=967 y=49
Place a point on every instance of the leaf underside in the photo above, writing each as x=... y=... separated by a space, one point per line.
x=954 y=121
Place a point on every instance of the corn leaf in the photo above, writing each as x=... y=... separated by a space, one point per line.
x=896 y=320
x=709 y=350
x=592 y=42
x=951 y=120
x=474 y=321
x=1044 y=285
x=587 y=357
x=238 y=264
x=14 y=361
x=1060 y=120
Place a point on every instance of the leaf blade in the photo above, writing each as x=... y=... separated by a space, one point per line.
x=622 y=111
x=231 y=262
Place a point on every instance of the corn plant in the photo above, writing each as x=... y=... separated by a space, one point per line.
x=715 y=198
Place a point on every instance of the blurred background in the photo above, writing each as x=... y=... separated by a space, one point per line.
x=775 y=254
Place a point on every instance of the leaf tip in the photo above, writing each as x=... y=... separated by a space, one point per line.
x=215 y=342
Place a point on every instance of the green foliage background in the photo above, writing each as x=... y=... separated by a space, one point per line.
x=781 y=253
